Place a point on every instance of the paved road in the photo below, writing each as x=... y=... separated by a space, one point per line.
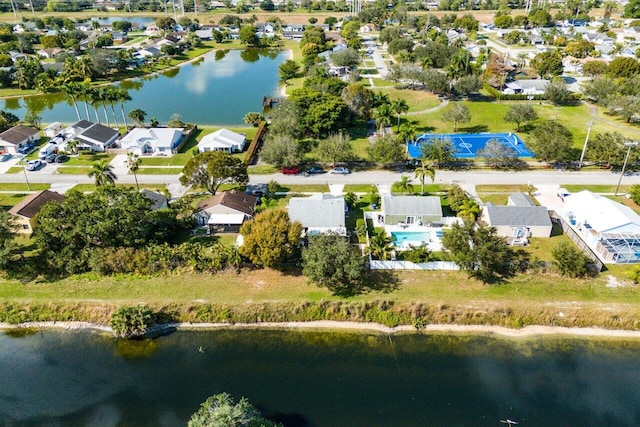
x=370 y=177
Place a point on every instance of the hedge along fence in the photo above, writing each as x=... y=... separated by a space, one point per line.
x=495 y=93
x=252 y=152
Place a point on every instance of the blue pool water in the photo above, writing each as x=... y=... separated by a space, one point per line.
x=410 y=237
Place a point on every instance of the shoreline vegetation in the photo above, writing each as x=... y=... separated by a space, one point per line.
x=531 y=331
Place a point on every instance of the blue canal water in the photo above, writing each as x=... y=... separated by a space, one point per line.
x=319 y=379
x=216 y=90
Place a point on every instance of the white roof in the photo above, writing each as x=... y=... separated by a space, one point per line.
x=232 y=219
x=222 y=139
x=154 y=137
x=601 y=213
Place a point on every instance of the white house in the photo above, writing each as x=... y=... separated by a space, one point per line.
x=222 y=140
x=152 y=141
x=92 y=136
x=319 y=214
x=526 y=87
x=609 y=228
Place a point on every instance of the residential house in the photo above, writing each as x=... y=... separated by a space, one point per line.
x=227 y=210
x=11 y=140
x=368 y=28
x=411 y=210
x=526 y=87
x=222 y=140
x=520 y=219
x=91 y=136
x=53 y=129
x=142 y=141
x=28 y=208
x=319 y=214
x=158 y=200
x=205 y=33
x=49 y=53
x=148 y=52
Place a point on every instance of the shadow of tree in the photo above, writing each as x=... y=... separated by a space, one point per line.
x=474 y=129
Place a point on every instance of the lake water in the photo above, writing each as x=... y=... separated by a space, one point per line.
x=217 y=90
x=319 y=379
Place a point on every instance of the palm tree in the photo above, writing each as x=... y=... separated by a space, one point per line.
x=133 y=163
x=123 y=96
x=380 y=245
x=137 y=116
x=423 y=171
x=407 y=133
x=85 y=93
x=103 y=173
x=399 y=106
x=383 y=117
x=73 y=90
x=469 y=209
x=404 y=185
x=72 y=145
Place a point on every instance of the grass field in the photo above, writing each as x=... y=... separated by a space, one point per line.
x=596 y=188
x=159 y=170
x=7 y=186
x=9 y=200
x=85 y=188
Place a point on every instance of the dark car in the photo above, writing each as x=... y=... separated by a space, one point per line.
x=51 y=158
x=61 y=158
x=26 y=149
x=290 y=170
x=314 y=170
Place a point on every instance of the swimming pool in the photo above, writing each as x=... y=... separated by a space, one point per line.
x=415 y=238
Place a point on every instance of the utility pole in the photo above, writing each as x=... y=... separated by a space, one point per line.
x=586 y=141
x=628 y=144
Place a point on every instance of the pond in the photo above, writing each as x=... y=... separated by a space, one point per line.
x=219 y=89
x=307 y=378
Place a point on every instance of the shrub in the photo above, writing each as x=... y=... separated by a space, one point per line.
x=131 y=322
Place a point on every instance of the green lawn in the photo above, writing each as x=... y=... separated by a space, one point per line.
x=501 y=188
x=262 y=170
x=496 y=199
x=159 y=171
x=596 y=188
x=74 y=170
x=8 y=186
x=88 y=159
x=85 y=188
x=9 y=200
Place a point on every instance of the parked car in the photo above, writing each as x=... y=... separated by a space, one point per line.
x=290 y=170
x=5 y=157
x=340 y=171
x=61 y=158
x=51 y=158
x=314 y=170
x=34 y=165
x=26 y=149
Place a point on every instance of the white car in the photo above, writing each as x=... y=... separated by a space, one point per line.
x=34 y=165
x=341 y=171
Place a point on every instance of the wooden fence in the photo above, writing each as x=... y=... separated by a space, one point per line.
x=252 y=152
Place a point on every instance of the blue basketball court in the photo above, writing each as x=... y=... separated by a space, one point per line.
x=468 y=144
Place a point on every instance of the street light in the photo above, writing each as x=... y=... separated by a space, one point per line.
x=24 y=170
x=628 y=144
x=586 y=140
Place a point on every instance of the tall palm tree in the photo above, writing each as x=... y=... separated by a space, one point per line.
x=404 y=185
x=133 y=164
x=85 y=93
x=111 y=97
x=123 y=96
x=399 y=106
x=73 y=90
x=407 y=133
x=380 y=245
x=137 y=116
x=103 y=173
x=469 y=209
x=383 y=117
x=423 y=171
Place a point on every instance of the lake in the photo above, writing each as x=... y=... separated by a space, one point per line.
x=219 y=89
x=320 y=379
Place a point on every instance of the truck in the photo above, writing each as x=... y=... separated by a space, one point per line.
x=47 y=150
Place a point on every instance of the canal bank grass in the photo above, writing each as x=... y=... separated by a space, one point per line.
x=271 y=296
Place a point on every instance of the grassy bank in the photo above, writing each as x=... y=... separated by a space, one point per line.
x=270 y=296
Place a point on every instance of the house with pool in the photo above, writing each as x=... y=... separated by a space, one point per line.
x=411 y=220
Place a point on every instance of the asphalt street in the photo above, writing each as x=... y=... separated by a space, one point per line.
x=369 y=177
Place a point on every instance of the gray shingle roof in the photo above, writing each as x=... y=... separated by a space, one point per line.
x=520 y=199
x=98 y=132
x=518 y=216
x=325 y=211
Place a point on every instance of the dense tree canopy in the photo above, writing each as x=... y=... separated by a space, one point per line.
x=622 y=66
x=271 y=239
x=520 y=113
x=110 y=217
x=7 y=237
x=221 y=410
x=552 y=142
x=478 y=250
x=387 y=150
x=440 y=150
x=548 y=64
x=331 y=262
x=282 y=150
x=211 y=169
